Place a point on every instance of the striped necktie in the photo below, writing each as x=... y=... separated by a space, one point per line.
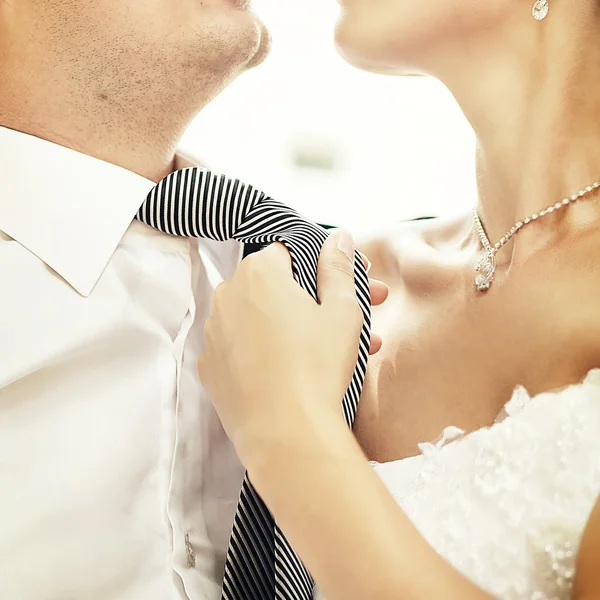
x=261 y=565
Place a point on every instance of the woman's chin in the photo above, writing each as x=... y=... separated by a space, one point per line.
x=357 y=57
x=355 y=47
x=370 y=55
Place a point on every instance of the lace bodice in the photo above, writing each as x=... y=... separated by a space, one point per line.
x=507 y=505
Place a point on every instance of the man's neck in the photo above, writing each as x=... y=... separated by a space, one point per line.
x=125 y=122
x=120 y=81
x=152 y=162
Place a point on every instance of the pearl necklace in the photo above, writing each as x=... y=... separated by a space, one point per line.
x=485 y=266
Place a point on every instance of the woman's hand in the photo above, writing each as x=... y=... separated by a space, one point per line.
x=276 y=362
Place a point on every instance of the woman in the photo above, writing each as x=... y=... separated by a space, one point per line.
x=502 y=505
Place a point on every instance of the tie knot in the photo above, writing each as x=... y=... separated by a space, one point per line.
x=199 y=203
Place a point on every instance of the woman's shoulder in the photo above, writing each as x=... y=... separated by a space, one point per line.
x=394 y=248
x=431 y=230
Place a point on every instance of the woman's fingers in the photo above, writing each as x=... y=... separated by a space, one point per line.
x=376 y=344
x=379 y=292
x=366 y=262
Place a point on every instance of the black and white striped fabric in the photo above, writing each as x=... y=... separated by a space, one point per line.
x=261 y=565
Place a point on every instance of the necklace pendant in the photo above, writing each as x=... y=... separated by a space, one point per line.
x=485 y=267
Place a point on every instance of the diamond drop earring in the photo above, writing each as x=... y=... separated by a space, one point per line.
x=540 y=10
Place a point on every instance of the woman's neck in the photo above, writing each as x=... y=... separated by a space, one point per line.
x=536 y=115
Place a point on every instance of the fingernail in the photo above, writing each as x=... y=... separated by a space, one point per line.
x=345 y=242
x=368 y=264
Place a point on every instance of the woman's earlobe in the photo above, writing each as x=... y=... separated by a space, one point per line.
x=540 y=10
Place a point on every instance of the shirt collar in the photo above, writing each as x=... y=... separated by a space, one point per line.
x=67 y=208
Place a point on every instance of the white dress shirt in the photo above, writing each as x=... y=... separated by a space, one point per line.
x=117 y=481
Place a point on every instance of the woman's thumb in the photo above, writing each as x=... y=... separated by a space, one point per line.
x=335 y=276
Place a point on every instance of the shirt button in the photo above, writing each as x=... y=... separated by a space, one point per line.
x=189 y=550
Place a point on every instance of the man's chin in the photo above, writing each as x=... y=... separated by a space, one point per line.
x=263 y=48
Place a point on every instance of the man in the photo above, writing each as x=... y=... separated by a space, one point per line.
x=116 y=479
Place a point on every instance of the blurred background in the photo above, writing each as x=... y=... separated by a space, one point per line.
x=342 y=146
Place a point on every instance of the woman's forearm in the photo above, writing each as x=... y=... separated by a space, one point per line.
x=338 y=515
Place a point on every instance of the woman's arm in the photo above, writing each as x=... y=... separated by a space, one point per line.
x=337 y=514
x=353 y=536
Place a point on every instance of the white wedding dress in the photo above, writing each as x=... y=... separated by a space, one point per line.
x=507 y=505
